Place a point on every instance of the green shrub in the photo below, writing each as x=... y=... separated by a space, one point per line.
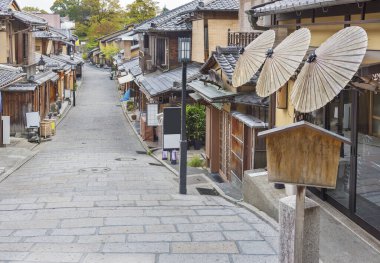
x=196 y=161
x=196 y=122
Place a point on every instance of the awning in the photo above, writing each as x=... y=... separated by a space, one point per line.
x=249 y=120
x=125 y=79
x=55 y=78
x=195 y=96
x=210 y=92
x=20 y=87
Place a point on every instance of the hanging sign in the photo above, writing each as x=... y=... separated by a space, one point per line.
x=152 y=111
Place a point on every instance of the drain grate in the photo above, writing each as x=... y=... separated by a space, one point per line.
x=125 y=159
x=156 y=164
x=207 y=191
x=94 y=170
x=141 y=152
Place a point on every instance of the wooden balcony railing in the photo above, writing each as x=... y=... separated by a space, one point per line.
x=241 y=39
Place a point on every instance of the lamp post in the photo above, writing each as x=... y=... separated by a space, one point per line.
x=73 y=69
x=184 y=58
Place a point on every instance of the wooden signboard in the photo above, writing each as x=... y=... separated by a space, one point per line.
x=303 y=154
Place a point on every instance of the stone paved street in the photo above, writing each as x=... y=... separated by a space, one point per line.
x=88 y=196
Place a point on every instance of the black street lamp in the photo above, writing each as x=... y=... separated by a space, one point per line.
x=184 y=47
x=41 y=64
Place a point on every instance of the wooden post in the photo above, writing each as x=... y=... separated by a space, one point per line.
x=299 y=223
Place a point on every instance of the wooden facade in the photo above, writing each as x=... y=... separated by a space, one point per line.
x=17 y=101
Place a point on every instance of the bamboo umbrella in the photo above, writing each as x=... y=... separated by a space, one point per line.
x=329 y=69
x=282 y=62
x=252 y=58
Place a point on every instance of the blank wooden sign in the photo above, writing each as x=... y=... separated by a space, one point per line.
x=303 y=154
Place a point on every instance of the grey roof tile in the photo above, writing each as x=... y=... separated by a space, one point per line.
x=210 y=92
x=43 y=77
x=67 y=59
x=9 y=75
x=178 y=18
x=52 y=63
x=158 y=82
x=136 y=71
x=226 y=58
x=29 y=18
x=4 y=4
x=21 y=87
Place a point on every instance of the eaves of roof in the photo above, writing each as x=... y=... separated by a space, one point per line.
x=287 y=6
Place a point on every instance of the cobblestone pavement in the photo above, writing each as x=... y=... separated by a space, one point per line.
x=88 y=196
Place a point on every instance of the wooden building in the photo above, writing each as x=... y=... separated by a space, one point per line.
x=234 y=116
x=33 y=96
x=354 y=113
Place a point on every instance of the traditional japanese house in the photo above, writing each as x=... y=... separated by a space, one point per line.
x=211 y=21
x=122 y=40
x=53 y=41
x=26 y=96
x=205 y=23
x=234 y=116
x=58 y=86
x=76 y=64
x=353 y=113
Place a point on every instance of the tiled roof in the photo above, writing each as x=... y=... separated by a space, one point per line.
x=43 y=77
x=29 y=18
x=9 y=75
x=220 y=5
x=135 y=71
x=54 y=64
x=158 y=82
x=210 y=92
x=21 y=87
x=226 y=58
x=126 y=66
x=252 y=99
x=285 y=6
x=4 y=4
x=163 y=18
x=178 y=18
x=67 y=59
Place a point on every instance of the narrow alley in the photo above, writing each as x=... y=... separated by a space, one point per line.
x=89 y=196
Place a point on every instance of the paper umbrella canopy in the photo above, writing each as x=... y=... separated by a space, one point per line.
x=329 y=69
x=282 y=62
x=252 y=58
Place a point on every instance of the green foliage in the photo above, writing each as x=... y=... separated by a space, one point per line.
x=110 y=50
x=84 y=56
x=141 y=10
x=130 y=106
x=149 y=152
x=196 y=122
x=34 y=9
x=196 y=161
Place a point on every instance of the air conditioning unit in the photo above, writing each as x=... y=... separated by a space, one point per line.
x=149 y=64
x=3 y=26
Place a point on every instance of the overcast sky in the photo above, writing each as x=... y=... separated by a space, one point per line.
x=46 y=4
